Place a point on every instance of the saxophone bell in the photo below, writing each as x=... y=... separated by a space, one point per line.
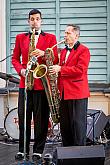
x=40 y=71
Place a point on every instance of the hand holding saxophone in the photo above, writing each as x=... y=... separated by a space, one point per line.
x=23 y=72
x=37 y=52
x=54 y=69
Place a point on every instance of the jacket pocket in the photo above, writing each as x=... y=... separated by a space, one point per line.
x=77 y=80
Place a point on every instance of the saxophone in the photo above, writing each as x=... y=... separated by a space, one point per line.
x=53 y=91
x=29 y=77
x=50 y=83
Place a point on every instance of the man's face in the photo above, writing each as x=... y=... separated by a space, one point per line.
x=35 y=21
x=70 y=35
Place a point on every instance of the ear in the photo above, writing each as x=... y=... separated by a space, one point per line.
x=77 y=36
x=41 y=21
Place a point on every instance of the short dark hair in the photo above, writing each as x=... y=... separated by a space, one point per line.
x=35 y=11
x=75 y=27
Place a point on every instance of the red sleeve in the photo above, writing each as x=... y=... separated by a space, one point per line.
x=16 y=55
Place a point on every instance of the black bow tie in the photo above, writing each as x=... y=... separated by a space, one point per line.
x=29 y=33
x=67 y=48
x=36 y=33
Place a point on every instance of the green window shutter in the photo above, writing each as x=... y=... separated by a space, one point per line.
x=92 y=17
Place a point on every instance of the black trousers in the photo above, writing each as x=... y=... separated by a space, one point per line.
x=73 y=121
x=38 y=104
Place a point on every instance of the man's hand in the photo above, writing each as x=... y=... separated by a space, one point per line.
x=54 y=69
x=23 y=72
x=37 y=52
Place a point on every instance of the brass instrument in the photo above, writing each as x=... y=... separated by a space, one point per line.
x=29 y=78
x=50 y=83
x=49 y=80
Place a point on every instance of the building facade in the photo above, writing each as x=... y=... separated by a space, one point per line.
x=93 y=17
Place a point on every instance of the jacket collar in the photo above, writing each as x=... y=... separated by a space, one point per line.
x=74 y=47
x=29 y=33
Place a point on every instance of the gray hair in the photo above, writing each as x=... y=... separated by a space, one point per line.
x=75 y=28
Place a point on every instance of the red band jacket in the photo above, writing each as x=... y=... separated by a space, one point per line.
x=20 y=54
x=73 y=78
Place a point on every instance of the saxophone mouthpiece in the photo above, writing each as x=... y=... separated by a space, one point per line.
x=60 y=42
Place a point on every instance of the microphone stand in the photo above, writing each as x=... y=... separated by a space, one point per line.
x=32 y=62
x=25 y=107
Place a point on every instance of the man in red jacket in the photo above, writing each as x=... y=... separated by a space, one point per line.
x=36 y=98
x=73 y=86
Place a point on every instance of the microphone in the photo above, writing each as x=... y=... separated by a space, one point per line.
x=33 y=60
x=30 y=64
